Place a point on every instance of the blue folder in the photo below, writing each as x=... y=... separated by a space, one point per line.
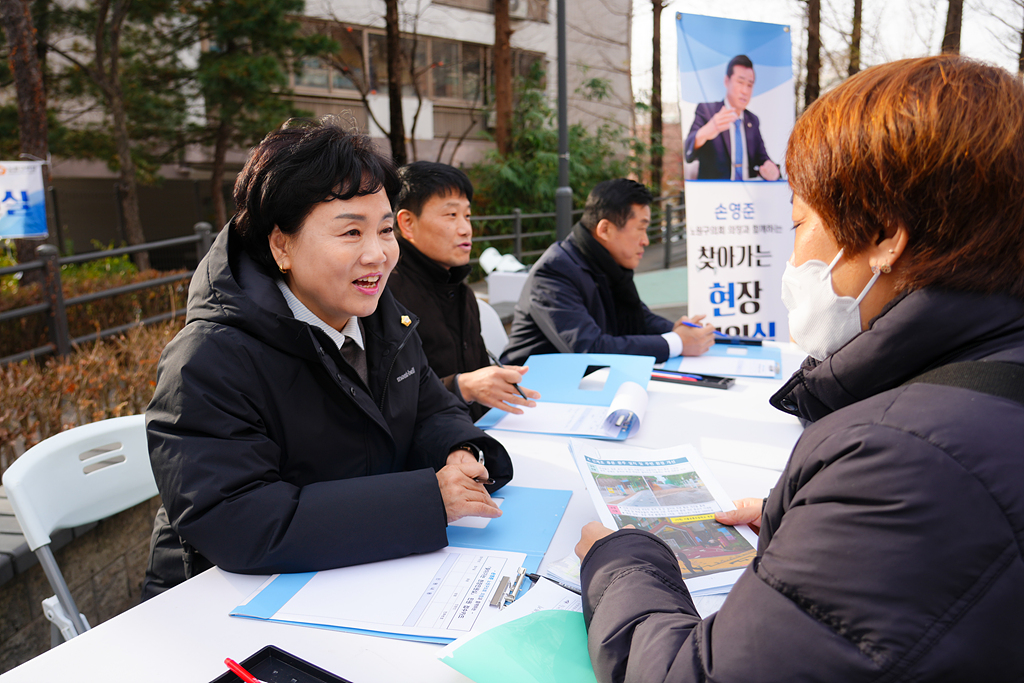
x=528 y=522
x=557 y=377
x=529 y=518
x=732 y=352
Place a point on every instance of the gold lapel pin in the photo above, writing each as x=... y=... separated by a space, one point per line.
x=406 y=320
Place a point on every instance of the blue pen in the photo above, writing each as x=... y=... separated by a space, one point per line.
x=701 y=327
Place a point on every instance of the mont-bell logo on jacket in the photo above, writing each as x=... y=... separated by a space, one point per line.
x=407 y=373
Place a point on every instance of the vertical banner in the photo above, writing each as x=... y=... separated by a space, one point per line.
x=22 y=200
x=736 y=101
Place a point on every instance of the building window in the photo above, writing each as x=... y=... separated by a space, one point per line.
x=348 y=73
x=454 y=72
x=312 y=73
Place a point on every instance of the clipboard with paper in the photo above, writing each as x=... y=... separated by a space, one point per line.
x=595 y=395
x=434 y=597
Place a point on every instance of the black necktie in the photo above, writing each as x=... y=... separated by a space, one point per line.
x=356 y=357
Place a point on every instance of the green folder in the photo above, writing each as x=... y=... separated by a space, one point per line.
x=549 y=646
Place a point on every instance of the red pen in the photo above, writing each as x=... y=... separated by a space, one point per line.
x=241 y=672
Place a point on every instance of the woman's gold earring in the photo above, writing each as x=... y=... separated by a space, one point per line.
x=283 y=270
x=885 y=268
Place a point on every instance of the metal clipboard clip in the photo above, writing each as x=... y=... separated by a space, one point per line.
x=508 y=590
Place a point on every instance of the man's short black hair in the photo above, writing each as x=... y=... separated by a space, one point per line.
x=424 y=180
x=295 y=168
x=738 y=60
x=614 y=200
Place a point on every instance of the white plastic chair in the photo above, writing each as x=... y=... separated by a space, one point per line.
x=73 y=478
x=492 y=329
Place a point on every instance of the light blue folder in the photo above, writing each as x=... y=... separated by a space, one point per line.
x=528 y=522
x=729 y=352
x=557 y=377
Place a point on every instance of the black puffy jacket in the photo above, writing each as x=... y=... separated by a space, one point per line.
x=270 y=454
x=892 y=548
x=449 y=315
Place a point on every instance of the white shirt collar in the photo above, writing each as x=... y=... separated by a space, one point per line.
x=301 y=312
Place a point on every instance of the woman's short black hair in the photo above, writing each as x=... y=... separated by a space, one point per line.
x=614 y=200
x=295 y=168
x=424 y=180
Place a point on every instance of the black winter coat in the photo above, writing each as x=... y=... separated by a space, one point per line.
x=892 y=548
x=270 y=453
x=567 y=307
x=449 y=316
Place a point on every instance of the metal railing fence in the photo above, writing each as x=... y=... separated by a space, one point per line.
x=668 y=225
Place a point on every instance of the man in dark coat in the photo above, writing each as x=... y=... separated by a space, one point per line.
x=580 y=297
x=430 y=279
x=285 y=442
x=716 y=128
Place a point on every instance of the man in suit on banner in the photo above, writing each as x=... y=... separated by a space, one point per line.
x=726 y=137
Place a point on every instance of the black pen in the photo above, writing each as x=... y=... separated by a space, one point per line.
x=498 y=363
x=536 y=577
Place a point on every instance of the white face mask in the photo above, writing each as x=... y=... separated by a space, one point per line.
x=820 y=321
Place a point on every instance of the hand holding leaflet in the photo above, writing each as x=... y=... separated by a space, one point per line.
x=671 y=493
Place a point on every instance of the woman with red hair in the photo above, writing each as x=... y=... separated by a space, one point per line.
x=892 y=548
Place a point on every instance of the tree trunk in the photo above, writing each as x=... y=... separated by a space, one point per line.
x=1020 y=55
x=855 y=38
x=127 y=185
x=394 y=49
x=812 y=88
x=31 y=94
x=502 y=77
x=220 y=150
x=954 y=18
x=656 y=127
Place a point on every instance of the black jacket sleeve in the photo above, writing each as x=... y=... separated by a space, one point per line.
x=219 y=474
x=869 y=563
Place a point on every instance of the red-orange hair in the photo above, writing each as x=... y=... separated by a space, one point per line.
x=935 y=145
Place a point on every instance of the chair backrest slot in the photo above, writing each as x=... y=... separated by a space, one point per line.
x=100 y=450
x=94 y=466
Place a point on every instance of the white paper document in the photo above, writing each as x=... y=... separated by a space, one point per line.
x=436 y=596
x=617 y=421
x=671 y=493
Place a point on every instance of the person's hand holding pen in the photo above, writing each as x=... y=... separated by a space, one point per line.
x=497 y=386
x=462 y=481
x=696 y=339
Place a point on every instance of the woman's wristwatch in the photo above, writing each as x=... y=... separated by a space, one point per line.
x=472 y=448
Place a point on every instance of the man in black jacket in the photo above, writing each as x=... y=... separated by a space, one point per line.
x=580 y=296
x=430 y=279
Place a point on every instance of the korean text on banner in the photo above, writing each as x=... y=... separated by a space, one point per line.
x=736 y=99
x=22 y=200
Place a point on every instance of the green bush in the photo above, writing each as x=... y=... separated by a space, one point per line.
x=30 y=332
x=528 y=177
